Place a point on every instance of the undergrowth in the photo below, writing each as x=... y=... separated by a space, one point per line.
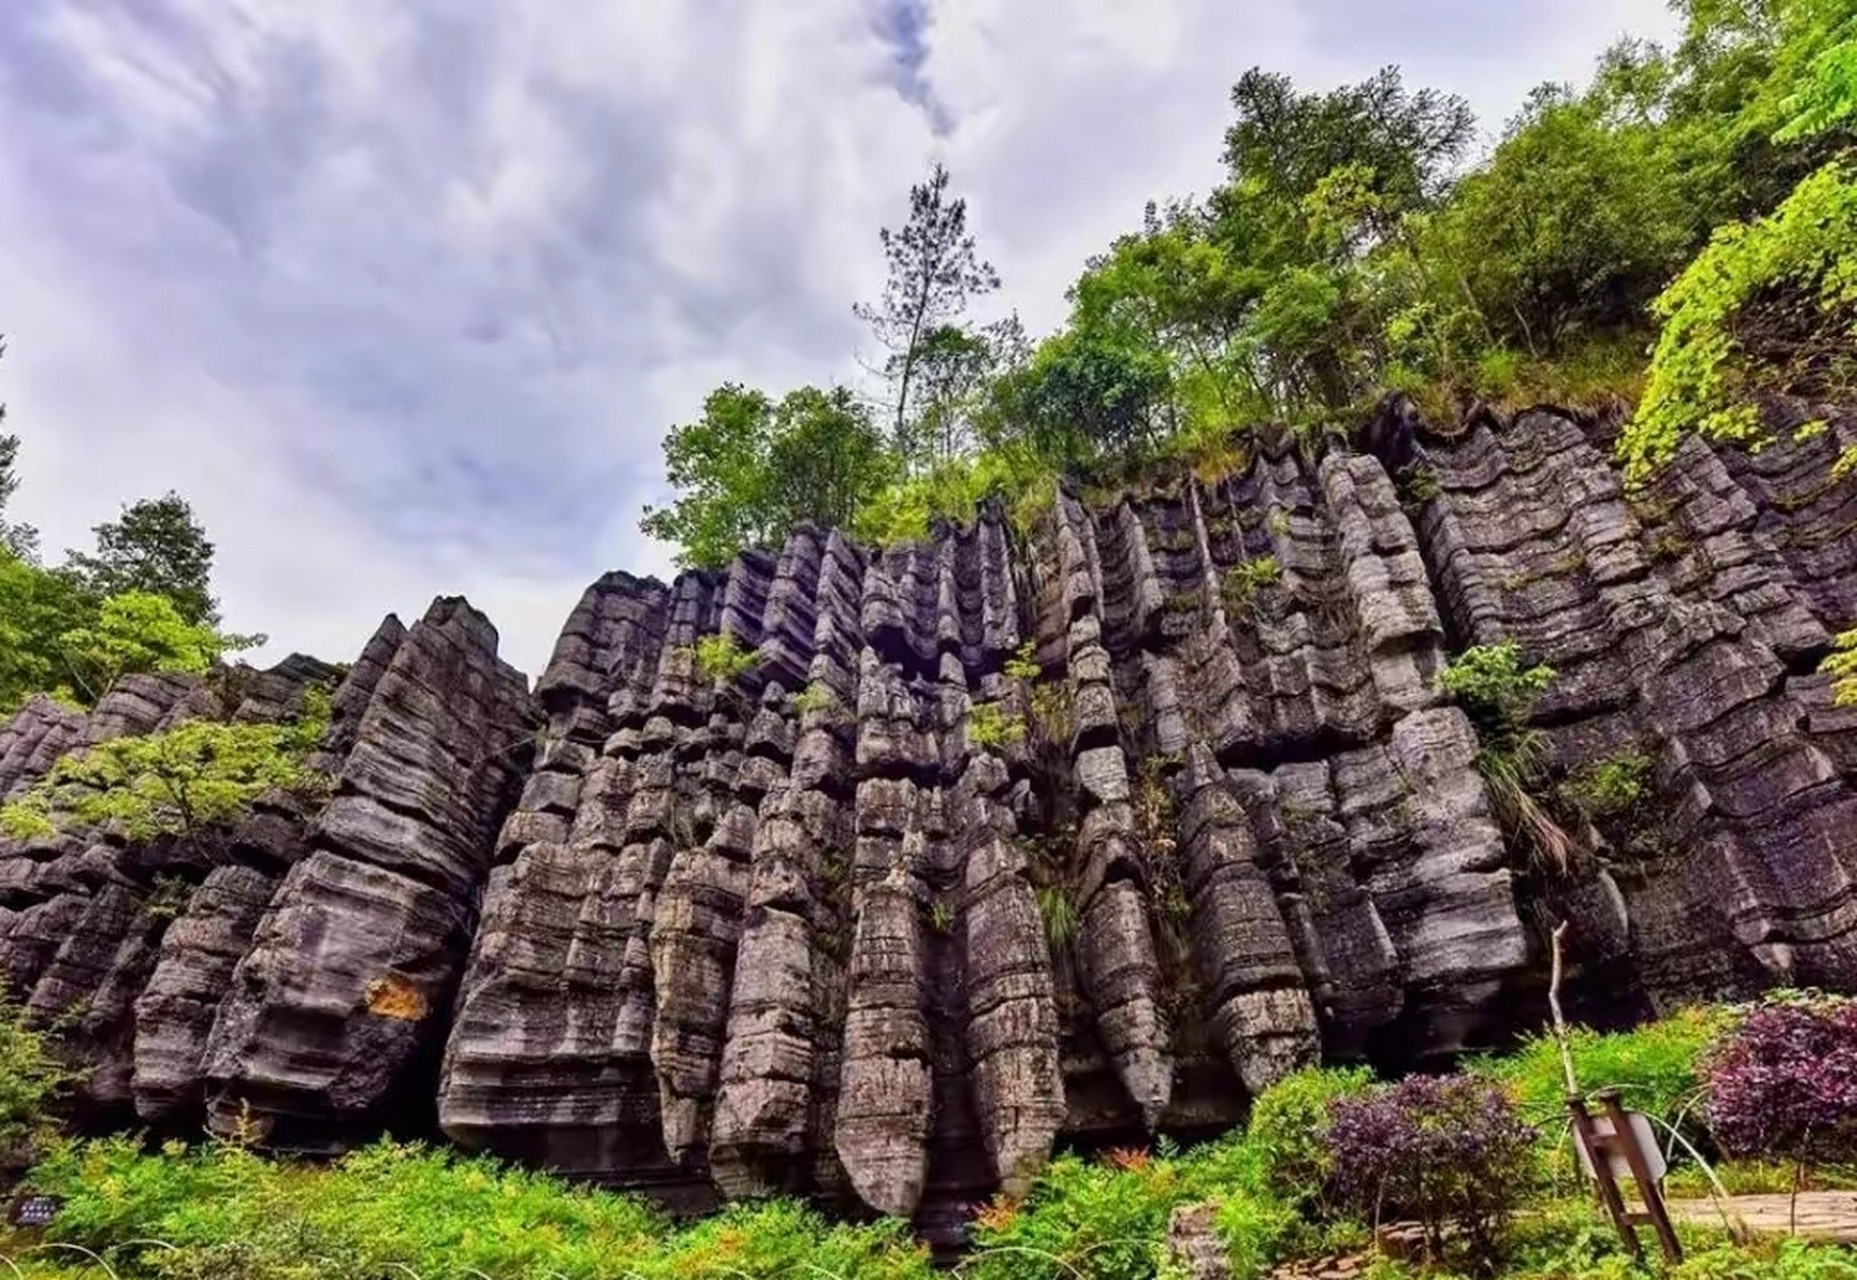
x=222 y=1212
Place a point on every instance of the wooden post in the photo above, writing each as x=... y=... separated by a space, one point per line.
x=1627 y=1144
x=1594 y=1145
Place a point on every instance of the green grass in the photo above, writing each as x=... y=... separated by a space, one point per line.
x=220 y=1212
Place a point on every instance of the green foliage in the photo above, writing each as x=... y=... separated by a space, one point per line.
x=1494 y=686
x=1243 y=580
x=1058 y=908
x=38 y=607
x=140 y=603
x=1769 y=306
x=1286 y=1126
x=953 y=489
x=221 y=1211
x=818 y=697
x=1655 y=1067
x=991 y=725
x=1841 y=664
x=749 y=470
x=941 y=915
x=1089 y=391
x=155 y=547
x=178 y=781
x=1107 y=1219
x=20 y=541
x=1498 y=692
x=721 y=658
x=1613 y=785
x=142 y=631
x=934 y=273
x=30 y=1077
x=1570 y=227
x=1023 y=664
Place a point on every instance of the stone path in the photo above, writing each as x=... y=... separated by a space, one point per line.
x=1826 y=1215
x=1823 y=1215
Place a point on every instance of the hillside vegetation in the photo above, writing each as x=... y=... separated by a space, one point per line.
x=1678 y=234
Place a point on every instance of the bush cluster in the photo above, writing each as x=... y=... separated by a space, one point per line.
x=1784 y=1083
x=1447 y=1151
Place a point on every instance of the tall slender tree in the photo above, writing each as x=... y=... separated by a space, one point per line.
x=935 y=271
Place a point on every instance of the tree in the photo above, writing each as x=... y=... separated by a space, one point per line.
x=141 y=631
x=749 y=470
x=155 y=546
x=934 y=273
x=1286 y=143
x=1092 y=391
x=19 y=540
x=37 y=608
x=1769 y=306
x=30 y=1078
x=824 y=461
x=1570 y=228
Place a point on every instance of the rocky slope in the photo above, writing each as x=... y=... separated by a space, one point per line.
x=1006 y=839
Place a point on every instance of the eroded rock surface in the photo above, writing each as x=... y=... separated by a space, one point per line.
x=1076 y=832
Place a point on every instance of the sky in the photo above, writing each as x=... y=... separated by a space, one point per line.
x=402 y=297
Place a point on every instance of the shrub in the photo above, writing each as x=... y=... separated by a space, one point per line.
x=1841 y=665
x=1288 y=1123
x=819 y=696
x=720 y=658
x=30 y=1078
x=1243 y=580
x=174 y=781
x=1611 y=786
x=1784 y=1083
x=222 y=1212
x=1499 y=693
x=1451 y=1152
x=1107 y=1220
x=990 y=725
x=1496 y=690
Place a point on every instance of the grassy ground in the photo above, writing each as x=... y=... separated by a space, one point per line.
x=220 y=1212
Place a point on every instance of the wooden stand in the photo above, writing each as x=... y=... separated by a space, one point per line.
x=1622 y=1142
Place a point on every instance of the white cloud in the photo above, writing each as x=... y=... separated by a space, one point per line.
x=402 y=298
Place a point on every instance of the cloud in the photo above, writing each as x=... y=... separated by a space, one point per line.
x=403 y=297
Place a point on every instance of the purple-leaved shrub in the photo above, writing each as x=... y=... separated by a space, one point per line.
x=1784 y=1083
x=1447 y=1151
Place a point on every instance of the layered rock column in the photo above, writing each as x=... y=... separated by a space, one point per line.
x=353 y=966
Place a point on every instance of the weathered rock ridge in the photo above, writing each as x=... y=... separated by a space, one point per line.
x=1002 y=840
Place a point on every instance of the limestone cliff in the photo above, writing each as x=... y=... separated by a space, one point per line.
x=1006 y=839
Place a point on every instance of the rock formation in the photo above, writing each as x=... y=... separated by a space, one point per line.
x=958 y=850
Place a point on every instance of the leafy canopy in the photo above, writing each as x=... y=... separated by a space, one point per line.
x=749 y=470
x=158 y=547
